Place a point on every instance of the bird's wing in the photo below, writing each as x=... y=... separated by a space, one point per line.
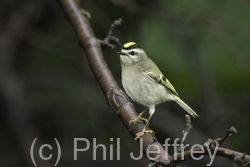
x=161 y=79
x=153 y=72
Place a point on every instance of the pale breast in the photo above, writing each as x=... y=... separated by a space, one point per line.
x=144 y=90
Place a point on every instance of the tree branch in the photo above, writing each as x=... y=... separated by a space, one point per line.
x=116 y=98
x=213 y=145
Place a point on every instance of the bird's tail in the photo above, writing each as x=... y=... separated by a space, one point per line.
x=186 y=107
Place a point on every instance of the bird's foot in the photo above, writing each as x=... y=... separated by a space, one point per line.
x=133 y=120
x=139 y=134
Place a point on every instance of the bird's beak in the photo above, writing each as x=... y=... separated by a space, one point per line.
x=122 y=53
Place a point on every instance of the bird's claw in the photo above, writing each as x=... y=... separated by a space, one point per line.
x=139 y=134
x=133 y=120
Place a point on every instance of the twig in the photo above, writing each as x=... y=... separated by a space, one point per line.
x=212 y=143
x=232 y=130
x=110 y=38
x=185 y=133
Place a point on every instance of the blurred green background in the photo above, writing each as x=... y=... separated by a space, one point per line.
x=47 y=90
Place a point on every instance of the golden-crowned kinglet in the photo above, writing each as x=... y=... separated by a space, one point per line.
x=144 y=82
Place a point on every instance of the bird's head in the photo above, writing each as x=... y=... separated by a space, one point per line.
x=131 y=53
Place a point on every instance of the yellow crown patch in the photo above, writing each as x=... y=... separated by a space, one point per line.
x=127 y=45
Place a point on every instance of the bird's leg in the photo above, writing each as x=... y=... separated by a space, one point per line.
x=139 y=134
x=133 y=120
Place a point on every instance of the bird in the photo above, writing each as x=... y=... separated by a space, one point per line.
x=145 y=84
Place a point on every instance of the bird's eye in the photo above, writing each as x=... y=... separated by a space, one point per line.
x=132 y=53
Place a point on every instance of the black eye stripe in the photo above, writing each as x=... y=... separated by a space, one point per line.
x=132 y=53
